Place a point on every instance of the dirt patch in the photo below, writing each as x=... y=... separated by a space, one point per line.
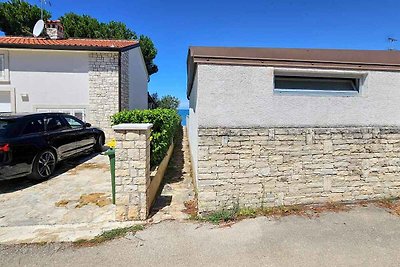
x=62 y=203
x=88 y=166
x=392 y=205
x=98 y=199
x=190 y=207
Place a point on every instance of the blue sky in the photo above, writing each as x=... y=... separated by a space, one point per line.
x=176 y=24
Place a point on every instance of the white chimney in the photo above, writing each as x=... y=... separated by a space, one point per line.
x=54 y=29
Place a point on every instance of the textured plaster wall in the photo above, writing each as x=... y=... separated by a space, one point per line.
x=192 y=125
x=49 y=78
x=238 y=96
x=138 y=81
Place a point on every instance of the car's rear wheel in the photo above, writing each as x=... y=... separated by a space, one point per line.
x=98 y=147
x=43 y=165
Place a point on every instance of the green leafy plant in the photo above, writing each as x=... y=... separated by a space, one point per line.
x=165 y=125
x=17 y=17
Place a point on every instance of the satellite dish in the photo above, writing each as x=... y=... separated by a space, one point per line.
x=39 y=26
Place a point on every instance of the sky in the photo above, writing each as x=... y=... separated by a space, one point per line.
x=176 y=24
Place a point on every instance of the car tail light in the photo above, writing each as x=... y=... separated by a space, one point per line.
x=4 y=148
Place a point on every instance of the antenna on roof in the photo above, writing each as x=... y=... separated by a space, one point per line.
x=39 y=25
x=391 y=41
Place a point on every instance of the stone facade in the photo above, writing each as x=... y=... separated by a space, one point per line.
x=125 y=80
x=254 y=167
x=103 y=89
x=132 y=170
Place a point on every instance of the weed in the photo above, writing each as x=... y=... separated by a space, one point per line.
x=237 y=214
x=246 y=212
x=220 y=216
x=110 y=235
x=191 y=207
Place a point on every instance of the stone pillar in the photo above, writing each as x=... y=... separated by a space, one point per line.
x=103 y=90
x=132 y=172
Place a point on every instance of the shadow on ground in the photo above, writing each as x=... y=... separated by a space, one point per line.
x=9 y=186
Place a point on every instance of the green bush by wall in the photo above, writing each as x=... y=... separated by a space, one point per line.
x=165 y=124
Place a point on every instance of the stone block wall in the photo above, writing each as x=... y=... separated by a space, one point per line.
x=103 y=89
x=254 y=167
x=125 y=80
x=132 y=170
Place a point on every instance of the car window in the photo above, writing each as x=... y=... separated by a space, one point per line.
x=73 y=122
x=54 y=123
x=34 y=126
x=5 y=125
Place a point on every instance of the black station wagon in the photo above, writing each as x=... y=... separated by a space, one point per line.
x=32 y=144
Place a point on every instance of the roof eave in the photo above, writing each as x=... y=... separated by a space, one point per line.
x=68 y=47
x=193 y=60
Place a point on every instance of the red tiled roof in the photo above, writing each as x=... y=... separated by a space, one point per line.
x=66 y=44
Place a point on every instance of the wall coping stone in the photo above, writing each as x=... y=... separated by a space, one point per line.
x=132 y=126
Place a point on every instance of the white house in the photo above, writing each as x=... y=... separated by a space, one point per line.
x=288 y=126
x=91 y=79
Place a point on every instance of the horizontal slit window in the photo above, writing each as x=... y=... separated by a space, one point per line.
x=316 y=84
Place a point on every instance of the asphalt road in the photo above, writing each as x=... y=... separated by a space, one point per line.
x=365 y=236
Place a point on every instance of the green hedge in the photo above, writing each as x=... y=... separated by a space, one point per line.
x=165 y=124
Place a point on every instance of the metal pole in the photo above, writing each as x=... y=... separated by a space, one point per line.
x=112 y=168
x=111 y=155
x=41 y=9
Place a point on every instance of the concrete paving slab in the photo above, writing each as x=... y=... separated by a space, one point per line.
x=79 y=194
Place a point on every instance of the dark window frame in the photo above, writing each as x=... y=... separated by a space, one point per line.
x=354 y=83
x=74 y=118
x=63 y=122
x=27 y=121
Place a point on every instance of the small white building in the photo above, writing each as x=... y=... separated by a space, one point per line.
x=89 y=78
x=290 y=126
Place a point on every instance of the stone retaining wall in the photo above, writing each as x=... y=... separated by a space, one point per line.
x=284 y=166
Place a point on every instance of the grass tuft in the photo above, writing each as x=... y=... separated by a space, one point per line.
x=110 y=235
x=224 y=216
x=220 y=216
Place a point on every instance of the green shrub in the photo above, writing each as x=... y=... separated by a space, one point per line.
x=165 y=122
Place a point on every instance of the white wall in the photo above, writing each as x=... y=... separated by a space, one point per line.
x=49 y=78
x=138 y=80
x=192 y=125
x=242 y=96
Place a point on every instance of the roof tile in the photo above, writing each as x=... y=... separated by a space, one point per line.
x=73 y=43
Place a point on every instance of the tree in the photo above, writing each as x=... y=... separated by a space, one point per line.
x=149 y=53
x=168 y=101
x=18 y=17
x=84 y=26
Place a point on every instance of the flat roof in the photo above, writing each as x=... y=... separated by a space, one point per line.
x=377 y=60
x=67 y=44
